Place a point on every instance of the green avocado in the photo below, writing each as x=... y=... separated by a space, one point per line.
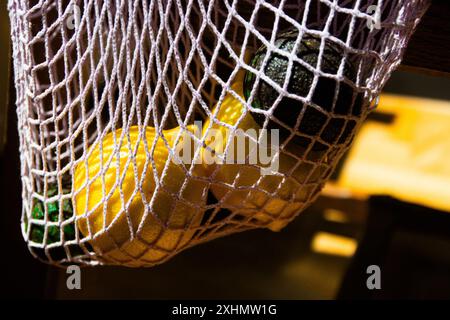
x=313 y=124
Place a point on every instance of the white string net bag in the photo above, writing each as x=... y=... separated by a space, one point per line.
x=108 y=90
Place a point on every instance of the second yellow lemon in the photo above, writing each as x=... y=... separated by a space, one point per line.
x=271 y=200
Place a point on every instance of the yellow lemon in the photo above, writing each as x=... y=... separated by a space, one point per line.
x=271 y=200
x=130 y=211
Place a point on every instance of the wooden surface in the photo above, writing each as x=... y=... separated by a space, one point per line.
x=429 y=48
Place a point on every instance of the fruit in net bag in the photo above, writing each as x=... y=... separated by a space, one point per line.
x=54 y=234
x=273 y=199
x=111 y=202
x=129 y=206
x=334 y=100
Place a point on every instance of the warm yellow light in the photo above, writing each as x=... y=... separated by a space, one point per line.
x=332 y=244
x=334 y=215
x=409 y=158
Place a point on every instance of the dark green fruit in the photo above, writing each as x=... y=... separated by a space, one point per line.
x=314 y=121
x=37 y=232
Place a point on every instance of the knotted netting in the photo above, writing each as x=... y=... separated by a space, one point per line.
x=110 y=91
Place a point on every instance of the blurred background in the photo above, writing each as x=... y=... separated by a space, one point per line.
x=387 y=205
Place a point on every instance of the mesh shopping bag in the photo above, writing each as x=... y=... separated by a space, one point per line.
x=130 y=111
